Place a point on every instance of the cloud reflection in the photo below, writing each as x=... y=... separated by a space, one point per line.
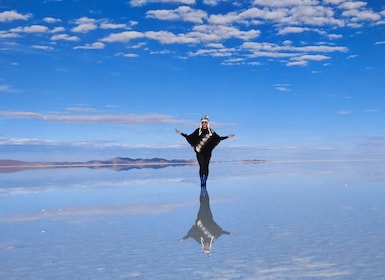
x=301 y=267
x=129 y=209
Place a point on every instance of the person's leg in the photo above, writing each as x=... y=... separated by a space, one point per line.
x=204 y=161
x=206 y=164
x=201 y=162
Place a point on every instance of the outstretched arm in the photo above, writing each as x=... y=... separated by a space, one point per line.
x=227 y=136
x=228 y=233
x=180 y=241
x=181 y=133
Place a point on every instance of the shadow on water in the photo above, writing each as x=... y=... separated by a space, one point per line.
x=205 y=231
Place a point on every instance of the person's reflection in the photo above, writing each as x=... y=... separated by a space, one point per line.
x=205 y=230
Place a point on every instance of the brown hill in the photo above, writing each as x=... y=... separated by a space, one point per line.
x=117 y=163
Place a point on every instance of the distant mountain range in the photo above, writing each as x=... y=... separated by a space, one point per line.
x=117 y=164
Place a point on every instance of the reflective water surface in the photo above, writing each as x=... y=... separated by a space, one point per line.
x=314 y=220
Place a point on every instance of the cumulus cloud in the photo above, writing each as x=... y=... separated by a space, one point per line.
x=214 y=52
x=8 y=35
x=166 y=37
x=236 y=30
x=123 y=37
x=13 y=15
x=211 y=2
x=137 y=3
x=184 y=13
x=291 y=29
x=51 y=20
x=286 y=3
x=64 y=37
x=31 y=29
x=108 y=25
x=299 y=55
x=93 y=46
x=84 y=25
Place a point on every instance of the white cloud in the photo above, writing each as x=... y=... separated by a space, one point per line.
x=218 y=19
x=184 y=13
x=222 y=32
x=130 y=55
x=321 y=48
x=215 y=45
x=276 y=15
x=238 y=61
x=108 y=25
x=282 y=87
x=138 y=46
x=58 y=29
x=289 y=29
x=349 y=5
x=287 y=50
x=8 y=35
x=361 y=15
x=334 y=36
x=162 y=52
x=207 y=27
x=13 y=15
x=312 y=15
x=94 y=118
x=51 y=20
x=31 y=29
x=303 y=60
x=352 y=56
x=44 y=48
x=85 y=25
x=24 y=141
x=344 y=112
x=297 y=63
x=215 y=52
x=334 y=2
x=81 y=108
x=123 y=37
x=64 y=37
x=211 y=2
x=137 y=3
x=315 y=57
x=93 y=46
x=166 y=37
x=286 y=3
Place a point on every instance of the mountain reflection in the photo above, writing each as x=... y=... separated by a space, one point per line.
x=205 y=230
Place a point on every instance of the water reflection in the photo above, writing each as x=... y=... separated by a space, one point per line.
x=205 y=230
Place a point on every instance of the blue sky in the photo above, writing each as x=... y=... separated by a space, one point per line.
x=290 y=75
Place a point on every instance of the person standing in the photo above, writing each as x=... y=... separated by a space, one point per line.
x=203 y=140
